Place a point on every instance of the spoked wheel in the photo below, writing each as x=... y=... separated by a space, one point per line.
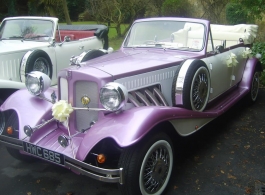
x=38 y=60
x=147 y=166
x=196 y=87
x=200 y=89
x=254 y=88
x=41 y=64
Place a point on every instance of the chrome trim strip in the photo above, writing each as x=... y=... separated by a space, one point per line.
x=161 y=97
x=180 y=81
x=133 y=100
x=152 y=97
x=143 y=98
x=106 y=175
x=112 y=175
x=22 y=73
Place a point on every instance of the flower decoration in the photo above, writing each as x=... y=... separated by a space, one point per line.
x=231 y=61
x=258 y=55
x=61 y=110
x=247 y=53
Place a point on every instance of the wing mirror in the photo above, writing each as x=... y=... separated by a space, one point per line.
x=219 y=49
x=66 y=39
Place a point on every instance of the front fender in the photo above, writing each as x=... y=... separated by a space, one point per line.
x=30 y=109
x=128 y=127
x=7 y=84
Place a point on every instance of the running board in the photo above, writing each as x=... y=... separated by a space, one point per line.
x=224 y=103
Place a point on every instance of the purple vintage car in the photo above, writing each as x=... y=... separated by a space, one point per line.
x=117 y=117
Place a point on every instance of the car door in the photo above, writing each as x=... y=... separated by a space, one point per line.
x=223 y=76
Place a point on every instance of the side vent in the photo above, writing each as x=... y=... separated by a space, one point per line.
x=150 y=96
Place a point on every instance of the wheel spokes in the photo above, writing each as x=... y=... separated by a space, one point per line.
x=200 y=90
x=156 y=169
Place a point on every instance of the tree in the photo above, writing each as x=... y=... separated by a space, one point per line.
x=175 y=8
x=75 y=7
x=117 y=11
x=11 y=5
x=65 y=11
x=235 y=14
x=48 y=7
x=254 y=9
x=213 y=9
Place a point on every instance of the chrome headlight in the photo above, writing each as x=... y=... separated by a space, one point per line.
x=37 y=82
x=113 y=96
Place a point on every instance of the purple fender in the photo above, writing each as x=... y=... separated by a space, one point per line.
x=251 y=65
x=132 y=125
x=31 y=111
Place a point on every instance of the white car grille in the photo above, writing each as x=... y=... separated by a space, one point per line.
x=9 y=69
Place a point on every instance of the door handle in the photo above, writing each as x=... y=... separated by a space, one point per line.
x=81 y=47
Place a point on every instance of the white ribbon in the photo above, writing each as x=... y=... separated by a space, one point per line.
x=247 y=53
x=231 y=61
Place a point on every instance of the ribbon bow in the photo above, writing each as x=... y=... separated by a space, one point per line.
x=231 y=61
x=61 y=110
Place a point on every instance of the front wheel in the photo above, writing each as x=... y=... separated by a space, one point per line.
x=147 y=166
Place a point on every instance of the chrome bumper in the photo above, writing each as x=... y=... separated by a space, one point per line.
x=106 y=175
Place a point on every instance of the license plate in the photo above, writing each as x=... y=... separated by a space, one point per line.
x=43 y=153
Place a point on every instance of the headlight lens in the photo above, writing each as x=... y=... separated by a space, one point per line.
x=113 y=96
x=37 y=82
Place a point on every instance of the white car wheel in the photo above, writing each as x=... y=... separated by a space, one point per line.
x=147 y=166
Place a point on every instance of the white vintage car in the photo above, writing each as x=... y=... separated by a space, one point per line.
x=39 y=43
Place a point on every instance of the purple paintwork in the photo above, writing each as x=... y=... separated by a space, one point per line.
x=126 y=127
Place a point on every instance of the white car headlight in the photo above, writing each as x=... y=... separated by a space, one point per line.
x=37 y=82
x=113 y=96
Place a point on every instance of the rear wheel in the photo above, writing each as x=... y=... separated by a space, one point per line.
x=147 y=166
x=254 y=88
x=196 y=87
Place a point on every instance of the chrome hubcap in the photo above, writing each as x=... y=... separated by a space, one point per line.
x=156 y=169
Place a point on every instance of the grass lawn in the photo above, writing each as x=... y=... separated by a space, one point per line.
x=114 y=41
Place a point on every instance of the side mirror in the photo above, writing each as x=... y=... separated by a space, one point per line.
x=219 y=49
x=67 y=39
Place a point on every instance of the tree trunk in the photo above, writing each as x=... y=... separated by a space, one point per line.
x=118 y=30
x=66 y=13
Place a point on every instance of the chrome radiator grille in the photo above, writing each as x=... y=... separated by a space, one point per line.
x=9 y=69
x=83 y=117
x=150 y=96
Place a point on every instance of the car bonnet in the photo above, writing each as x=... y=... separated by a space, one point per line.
x=130 y=62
